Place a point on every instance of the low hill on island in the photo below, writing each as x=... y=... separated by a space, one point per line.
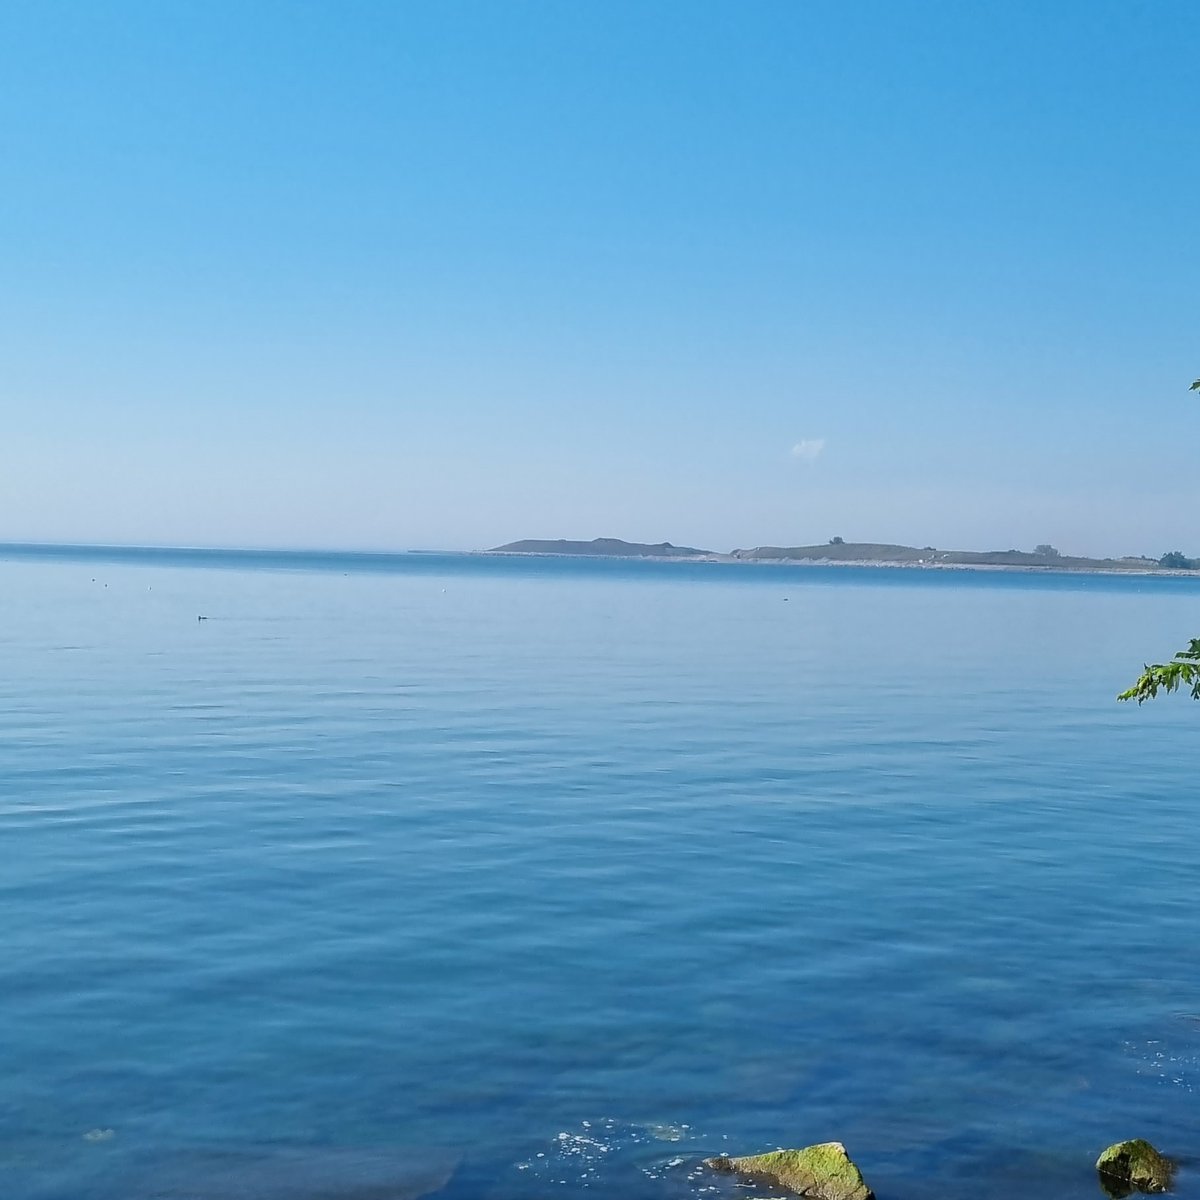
x=873 y=552
x=863 y=553
x=606 y=547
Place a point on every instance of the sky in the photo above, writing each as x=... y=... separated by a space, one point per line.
x=389 y=275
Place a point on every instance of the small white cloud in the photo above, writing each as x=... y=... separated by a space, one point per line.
x=808 y=449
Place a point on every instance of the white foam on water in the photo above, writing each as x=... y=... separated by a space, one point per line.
x=1160 y=1061
x=597 y=1149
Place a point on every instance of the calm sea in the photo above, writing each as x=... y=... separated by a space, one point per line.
x=520 y=879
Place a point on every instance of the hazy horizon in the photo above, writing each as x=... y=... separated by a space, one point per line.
x=302 y=548
x=419 y=276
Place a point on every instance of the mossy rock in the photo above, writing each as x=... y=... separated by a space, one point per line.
x=823 y=1172
x=1134 y=1166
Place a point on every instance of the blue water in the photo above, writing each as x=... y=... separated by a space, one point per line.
x=523 y=878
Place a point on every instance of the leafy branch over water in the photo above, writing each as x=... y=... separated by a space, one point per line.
x=1182 y=671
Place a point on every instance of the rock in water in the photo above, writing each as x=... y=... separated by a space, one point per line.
x=823 y=1172
x=1134 y=1166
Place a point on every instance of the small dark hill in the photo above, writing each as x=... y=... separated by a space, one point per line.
x=606 y=547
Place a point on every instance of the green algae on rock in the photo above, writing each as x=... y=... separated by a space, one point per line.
x=1134 y=1165
x=823 y=1172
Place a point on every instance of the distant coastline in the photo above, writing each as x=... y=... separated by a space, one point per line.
x=845 y=554
x=849 y=555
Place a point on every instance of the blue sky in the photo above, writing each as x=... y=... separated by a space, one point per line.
x=445 y=274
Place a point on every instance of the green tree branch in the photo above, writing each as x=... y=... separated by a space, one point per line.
x=1182 y=671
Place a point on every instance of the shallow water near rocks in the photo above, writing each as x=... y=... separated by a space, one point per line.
x=486 y=877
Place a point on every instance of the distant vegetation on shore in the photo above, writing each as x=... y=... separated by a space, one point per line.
x=838 y=551
x=606 y=547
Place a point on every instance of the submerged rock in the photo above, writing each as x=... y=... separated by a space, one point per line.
x=823 y=1172
x=1134 y=1166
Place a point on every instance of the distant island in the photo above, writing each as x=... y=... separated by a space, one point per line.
x=837 y=551
x=872 y=552
x=604 y=547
